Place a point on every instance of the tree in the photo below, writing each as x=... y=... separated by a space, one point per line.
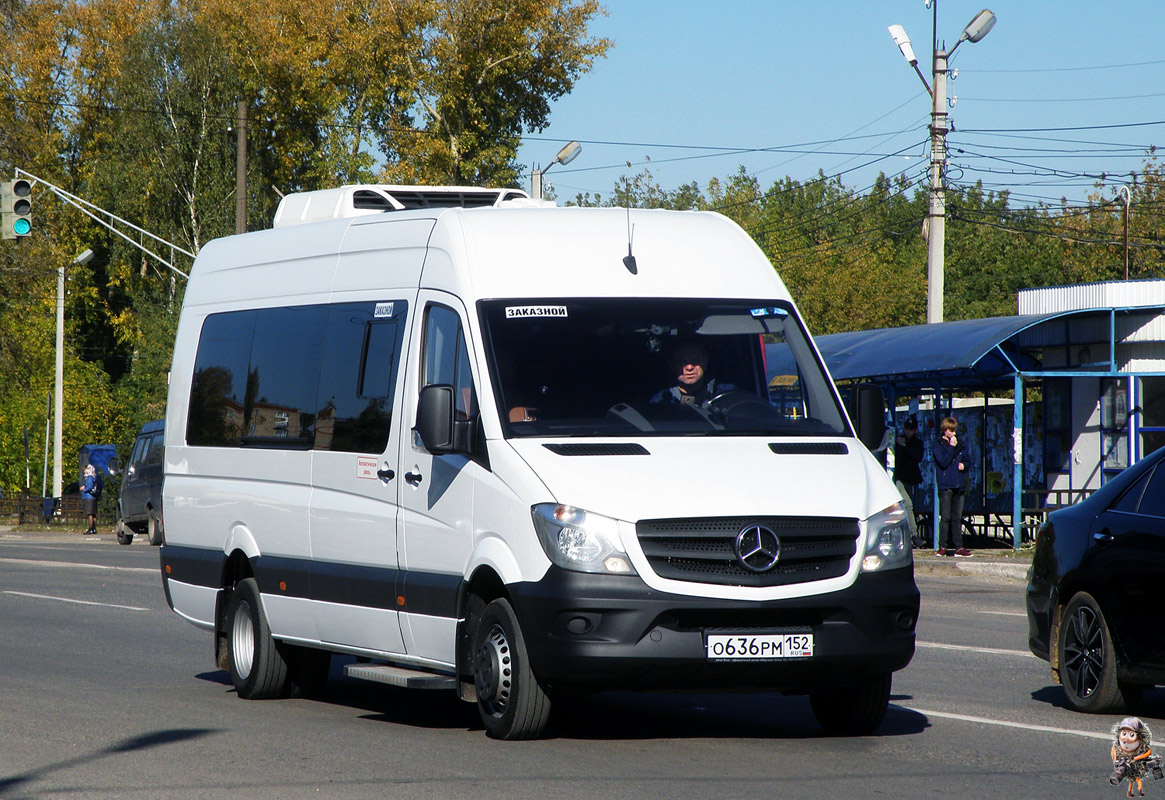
x=131 y=104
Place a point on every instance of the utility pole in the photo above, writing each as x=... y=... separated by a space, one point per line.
x=937 y=216
x=59 y=389
x=1128 y=195
x=59 y=384
x=241 y=168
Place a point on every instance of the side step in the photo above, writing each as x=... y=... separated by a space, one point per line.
x=398 y=676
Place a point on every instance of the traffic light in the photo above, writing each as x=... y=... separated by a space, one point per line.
x=16 y=209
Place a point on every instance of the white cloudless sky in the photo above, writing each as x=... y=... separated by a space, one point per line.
x=693 y=90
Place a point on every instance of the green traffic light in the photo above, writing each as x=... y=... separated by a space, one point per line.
x=21 y=227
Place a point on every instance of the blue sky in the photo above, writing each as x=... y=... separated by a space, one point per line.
x=686 y=77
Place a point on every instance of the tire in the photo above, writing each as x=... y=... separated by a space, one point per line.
x=124 y=534
x=855 y=708
x=258 y=670
x=1087 y=659
x=511 y=702
x=154 y=530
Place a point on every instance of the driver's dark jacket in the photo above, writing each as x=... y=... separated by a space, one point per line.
x=712 y=387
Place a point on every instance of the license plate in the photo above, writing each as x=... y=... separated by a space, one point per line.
x=759 y=647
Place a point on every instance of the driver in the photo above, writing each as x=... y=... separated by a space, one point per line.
x=689 y=364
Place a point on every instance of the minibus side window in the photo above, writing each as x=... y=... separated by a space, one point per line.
x=300 y=377
x=283 y=376
x=358 y=376
x=447 y=359
x=215 y=411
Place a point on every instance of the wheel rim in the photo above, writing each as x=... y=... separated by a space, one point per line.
x=493 y=673
x=243 y=640
x=1084 y=652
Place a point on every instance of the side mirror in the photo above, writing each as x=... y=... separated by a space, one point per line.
x=435 y=418
x=868 y=413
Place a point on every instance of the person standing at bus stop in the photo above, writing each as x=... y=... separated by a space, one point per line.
x=908 y=454
x=90 y=494
x=951 y=478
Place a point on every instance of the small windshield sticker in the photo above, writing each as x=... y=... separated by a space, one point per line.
x=382 y=310
x=514 y=312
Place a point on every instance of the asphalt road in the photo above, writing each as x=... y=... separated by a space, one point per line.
x=105 y=693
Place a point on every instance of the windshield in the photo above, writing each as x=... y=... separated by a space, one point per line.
x=634 y=367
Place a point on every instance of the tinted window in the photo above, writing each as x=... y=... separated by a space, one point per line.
x=447 y=359
x=155 y=451
x=135 y=457
x=305 y=376
x=1153 y=500
x=1130 y=501
x=283 y=376
x=358 y=376
x=215 y=415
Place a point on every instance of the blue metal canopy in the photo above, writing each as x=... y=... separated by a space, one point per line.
x=972 y=354
x=995 y=353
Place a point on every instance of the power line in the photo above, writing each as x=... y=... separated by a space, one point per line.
x=1066 y=69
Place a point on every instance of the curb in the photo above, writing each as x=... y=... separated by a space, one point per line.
x=1011 y=570
x=996 y=569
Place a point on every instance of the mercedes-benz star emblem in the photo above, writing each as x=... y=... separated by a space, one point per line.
x=758 y=548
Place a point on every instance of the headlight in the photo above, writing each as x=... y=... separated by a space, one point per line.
x=887 y=540
x=580 y=540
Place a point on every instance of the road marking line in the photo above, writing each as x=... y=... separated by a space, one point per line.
x=78 y=602
x=989 y=650
x=1003 y=723
x=74 y=564
x=1006 y=613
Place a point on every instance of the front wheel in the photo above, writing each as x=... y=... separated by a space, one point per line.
x=511 y=702
x=258 y=669
x=1088 y=660
x=854 y=708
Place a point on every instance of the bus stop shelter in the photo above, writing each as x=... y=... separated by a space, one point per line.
x=994 y=355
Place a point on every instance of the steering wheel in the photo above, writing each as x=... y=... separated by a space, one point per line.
x=735 y=401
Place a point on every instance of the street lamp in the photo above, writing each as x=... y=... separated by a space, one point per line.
x=976 y=29
x=59 y=389
x=565 y=156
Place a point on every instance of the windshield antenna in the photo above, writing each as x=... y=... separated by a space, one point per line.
x=629 y=259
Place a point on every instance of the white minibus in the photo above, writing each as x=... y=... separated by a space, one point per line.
x=465 y=440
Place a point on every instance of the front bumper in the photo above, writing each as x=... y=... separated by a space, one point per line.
x=603 y=631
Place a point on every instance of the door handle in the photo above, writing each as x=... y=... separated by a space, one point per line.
x=1104 y=537
x=413 y=478
x=385 y=475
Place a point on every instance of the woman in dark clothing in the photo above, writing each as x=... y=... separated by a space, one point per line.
x=950 y=468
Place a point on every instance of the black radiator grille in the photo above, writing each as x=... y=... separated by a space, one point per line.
x=703 y=550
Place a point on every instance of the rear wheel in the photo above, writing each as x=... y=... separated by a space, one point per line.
x=1088 y=660
x=511 y=702
x=258 y=670
x=124 y=534
x=154 y=530
x=854 y=708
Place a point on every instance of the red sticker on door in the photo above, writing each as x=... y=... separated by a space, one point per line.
x=366 y=467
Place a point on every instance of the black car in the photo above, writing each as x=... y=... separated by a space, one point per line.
x=1096 y=590
x=139 y=505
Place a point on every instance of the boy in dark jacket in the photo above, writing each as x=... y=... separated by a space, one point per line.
x=950 y=476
